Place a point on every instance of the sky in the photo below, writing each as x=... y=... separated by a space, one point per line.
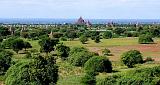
x=90 y=9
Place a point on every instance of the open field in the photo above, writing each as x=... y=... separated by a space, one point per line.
x=71 y=75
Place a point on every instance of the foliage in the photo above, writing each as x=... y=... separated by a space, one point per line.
x=106 y=52
x=27 y=45
x=83 y=39
x=5 y=61
x=143 y=76
x=79 y=58
x=107 y=35
x=40 y=71
x=17 y=45
x=8 y=42
x=132 y=57
x=62 y=51
x=77 y=49
x=119 y=31
x=47 y=44
x=89 y=79
x=98 y=64
x=4 y=31
x=97 y=39
x=148 y=59
x=145 y=39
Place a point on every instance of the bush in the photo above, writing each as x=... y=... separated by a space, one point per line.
x=98 y=64
x=83 y=39
x=79 y=58
x=62 y=51
x=97 y=39
x=77 y=49
x=131 y=58
x=40 y=71
x=63 y=39
x=145 y=39
x=143 y=76
x=106 y=52
x=148 y=59
x=5 y=61
x=107 y=35
x=17 y=45
x=89 y=79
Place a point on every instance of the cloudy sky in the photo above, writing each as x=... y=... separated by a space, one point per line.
x=99 y=9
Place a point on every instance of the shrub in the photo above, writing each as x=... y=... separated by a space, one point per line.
x=107 y=35
x=142 y=76
x=27 y=45
x=89 y=79
x=5 y=61
x=62 y=51
x=77 y=49
x=40 y=71
x=17 y=45
x=47 y=45
x=106 y=52
x=83 y=39
x=98 y=64
x=79 y=58
x=97 y=39
x=63 y=39
x=131 y=58
x=148 y=59
x=145 y=39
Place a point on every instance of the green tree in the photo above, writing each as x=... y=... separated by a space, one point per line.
x=119 y=31
x=79 y=58
x=62 y=51
x=107 y=35
x=145 y=39
x=17 y=45
x=39 y=71
x=98 y=64
x=47 y=44
x=83 y=39
x=27 y=45
x=5 y=61
x=132 y=57
x=97 y=39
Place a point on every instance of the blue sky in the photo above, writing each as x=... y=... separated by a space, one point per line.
x=95 y=9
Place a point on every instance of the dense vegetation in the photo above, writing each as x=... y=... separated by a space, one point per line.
x=70 y=54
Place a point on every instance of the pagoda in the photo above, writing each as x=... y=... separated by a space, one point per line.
x=81 y=21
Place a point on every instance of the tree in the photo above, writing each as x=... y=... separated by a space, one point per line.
x=132 y=57
x=17 y=45
x=145 y=39
x=4 y=31
x=79 y=58
x=47 y=44
x=24 y=34
x=62 y=51
x=27 y=45
x=97 y=39
x=119 y=31
x=8 y=42
x=40 y=71
x=5 y=61
x=98 y=64
x=83 y=39
x=107 y=35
